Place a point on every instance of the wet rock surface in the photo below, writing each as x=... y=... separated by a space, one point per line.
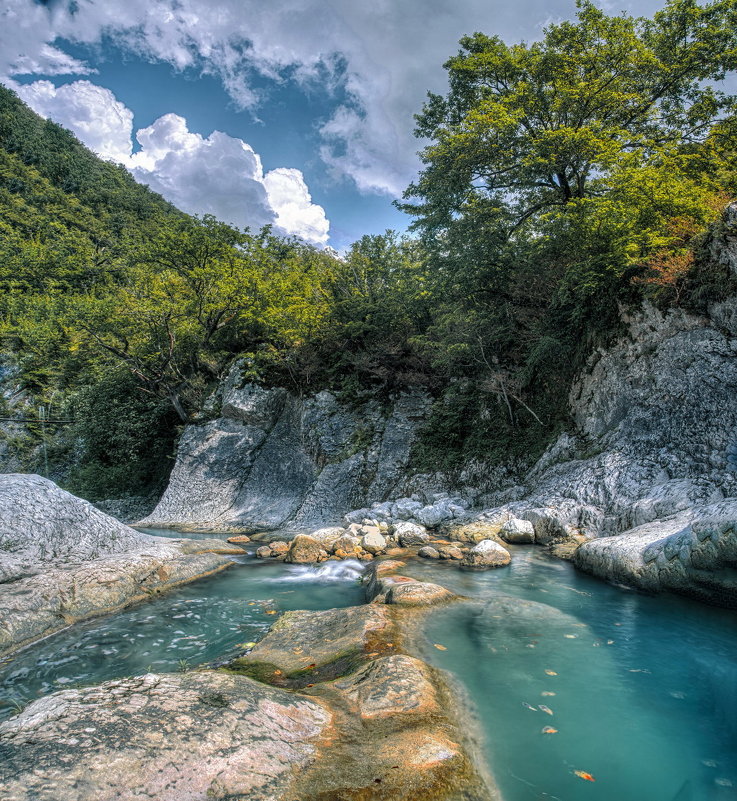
x=372 y=722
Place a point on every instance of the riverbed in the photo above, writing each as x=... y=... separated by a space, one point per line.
x=640 y=692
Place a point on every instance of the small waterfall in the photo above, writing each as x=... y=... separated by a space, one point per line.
x=347 y=570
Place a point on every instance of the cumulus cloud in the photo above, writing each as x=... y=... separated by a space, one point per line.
x=98 y=119
x=290 y=198
x=217 y=174
x=385 y=55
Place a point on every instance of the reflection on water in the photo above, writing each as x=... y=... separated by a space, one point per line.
x=642 y=690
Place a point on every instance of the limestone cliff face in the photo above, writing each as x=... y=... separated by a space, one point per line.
x=272 y=459
x=656 y=426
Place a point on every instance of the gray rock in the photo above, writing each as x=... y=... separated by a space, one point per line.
x=433 y=516
x=428 y=552
x=197 y=735
x=274 y=459
x=692 y=553
x=486 y=554
x=328 y=536
x=264 y=552
x=411 y=534
x=62 y=560
x=41 y=524
x=373 y=542
x=517 y=531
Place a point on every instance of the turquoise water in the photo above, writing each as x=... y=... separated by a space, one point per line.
x=643 y=690
x=191 y=625
x=644 y=696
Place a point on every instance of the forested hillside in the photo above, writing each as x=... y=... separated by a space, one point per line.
x=564 y=180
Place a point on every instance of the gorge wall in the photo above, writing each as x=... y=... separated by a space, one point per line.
x=653 y=436
x=272 y=459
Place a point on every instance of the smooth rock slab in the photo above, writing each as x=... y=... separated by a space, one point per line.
x=305 y=646
x=194 y=737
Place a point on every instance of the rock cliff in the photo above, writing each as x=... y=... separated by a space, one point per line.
x=272 y=459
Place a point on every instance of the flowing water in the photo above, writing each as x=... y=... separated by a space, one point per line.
x=197 y=623
x=642 y=691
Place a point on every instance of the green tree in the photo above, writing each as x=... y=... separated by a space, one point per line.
x=526 y=128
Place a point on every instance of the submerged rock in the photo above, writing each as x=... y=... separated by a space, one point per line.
x=486 y=554
x=304 y=647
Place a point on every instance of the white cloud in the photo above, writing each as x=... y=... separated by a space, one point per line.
x=100 y=121
x=218 y=174
x=291 y=200
x=386 y=54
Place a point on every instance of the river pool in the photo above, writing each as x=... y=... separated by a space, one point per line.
x=641 y=692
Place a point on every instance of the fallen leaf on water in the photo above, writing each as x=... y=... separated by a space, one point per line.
x=439 y=646
x=546 y=709
x=252 y=603
x=583 y=775
x=277 y=673
x=551 y=673
x=270 y=611
x=610 y=642
x=549 y=730
x=547 y=692
x=570 y=636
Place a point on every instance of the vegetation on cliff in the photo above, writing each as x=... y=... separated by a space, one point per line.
x=562 y=180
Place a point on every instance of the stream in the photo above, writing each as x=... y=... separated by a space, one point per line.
x=641 y=692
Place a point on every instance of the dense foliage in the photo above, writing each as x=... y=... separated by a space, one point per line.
x=563 y=180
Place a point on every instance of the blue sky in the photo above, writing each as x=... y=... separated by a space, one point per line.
x=311 y=101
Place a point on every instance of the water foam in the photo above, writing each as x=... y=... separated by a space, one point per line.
x=347 y=570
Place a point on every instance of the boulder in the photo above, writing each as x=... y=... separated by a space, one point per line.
x=305 y=550
x=347 y=544
x=328 y=536
x=373 y=542
x=405 y=508
x=486 y=554
x=517 y=531
x=264 y=552
x=428 y=552
x=450 y=552
x=411 y=534
x=239 y=538
x=418 y=593
x=62 y=560
x=475 y=532
x=278 y=547
x=304 y=647
x=433 y=516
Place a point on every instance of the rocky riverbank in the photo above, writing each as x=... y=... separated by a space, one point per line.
x=62 y=560
x=328 y=705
